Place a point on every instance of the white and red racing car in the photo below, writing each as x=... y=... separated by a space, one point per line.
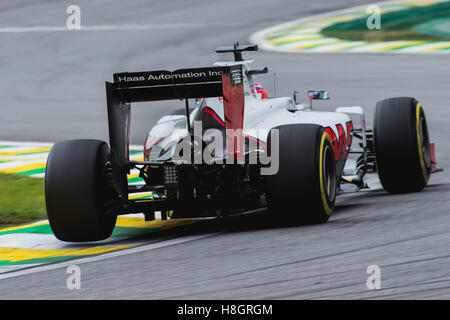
x=236 y=150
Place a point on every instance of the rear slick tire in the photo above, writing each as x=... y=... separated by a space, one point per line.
x=76 y=190
x=303 y=191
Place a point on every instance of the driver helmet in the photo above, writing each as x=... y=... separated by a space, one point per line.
x=260 y=89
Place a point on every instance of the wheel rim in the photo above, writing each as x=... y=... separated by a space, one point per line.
x=425 y=142
x=329 y=169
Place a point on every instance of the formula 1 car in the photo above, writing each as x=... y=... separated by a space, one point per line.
x=234 y=151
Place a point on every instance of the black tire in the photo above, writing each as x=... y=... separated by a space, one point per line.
x=303 y=191
x=401 y=145
x=76 y=190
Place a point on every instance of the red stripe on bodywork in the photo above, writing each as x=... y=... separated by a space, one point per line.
x=214 y=115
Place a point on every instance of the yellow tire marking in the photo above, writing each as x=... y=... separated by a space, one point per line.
x=419 y=144
x=322 y=186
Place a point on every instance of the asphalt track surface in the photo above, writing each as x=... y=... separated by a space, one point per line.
x=52 y=88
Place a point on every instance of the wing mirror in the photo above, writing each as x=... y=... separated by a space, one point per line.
x=313 y=95
x=317 y=95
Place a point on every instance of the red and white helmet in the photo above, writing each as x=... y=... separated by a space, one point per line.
x=260 y=89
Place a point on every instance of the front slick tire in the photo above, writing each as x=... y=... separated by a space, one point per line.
x=76 y=190
x=303 y=191
x=402 y=145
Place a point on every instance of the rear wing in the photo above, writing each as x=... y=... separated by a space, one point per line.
x=166 y=85
x=182 y=84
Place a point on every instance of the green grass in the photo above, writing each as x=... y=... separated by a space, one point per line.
x=396 y=25
x=21 y=199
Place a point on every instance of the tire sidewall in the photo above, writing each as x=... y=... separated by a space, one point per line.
x=297 y=191
x=397 y=145
x=76 y=191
